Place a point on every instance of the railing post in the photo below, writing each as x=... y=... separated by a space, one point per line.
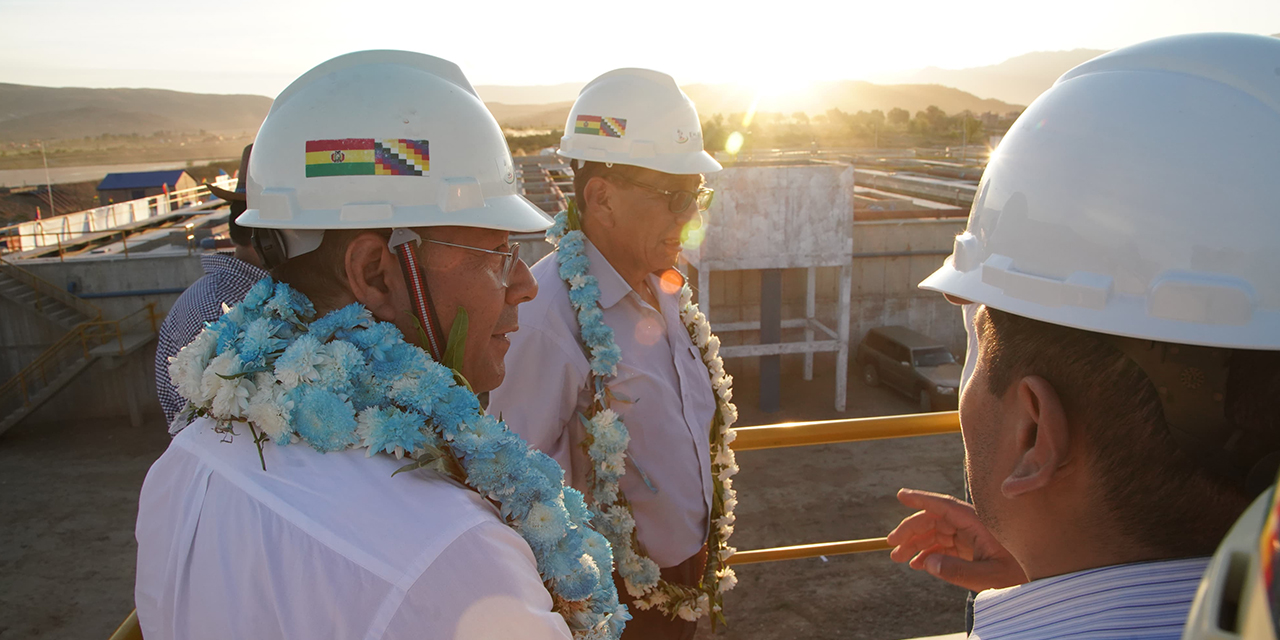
x=124 y=239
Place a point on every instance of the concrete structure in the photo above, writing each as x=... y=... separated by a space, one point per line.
x=121 y=187
x=771 y=218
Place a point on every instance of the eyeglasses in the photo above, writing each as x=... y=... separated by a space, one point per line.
x=509 y=258
x=679 y=201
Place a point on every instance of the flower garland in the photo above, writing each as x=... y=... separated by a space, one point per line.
x=607 y=438
x=347 y=381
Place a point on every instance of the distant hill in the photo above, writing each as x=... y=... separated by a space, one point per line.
x=1020 y=79
x=531 y=95
x=28 y=112
x=847 y=95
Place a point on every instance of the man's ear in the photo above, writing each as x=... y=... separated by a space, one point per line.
x=1042 y=437
x=598 y=194
x=373 y=275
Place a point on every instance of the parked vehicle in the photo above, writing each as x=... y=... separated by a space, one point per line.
x=912 y=363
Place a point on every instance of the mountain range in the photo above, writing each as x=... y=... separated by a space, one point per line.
x=28 y=112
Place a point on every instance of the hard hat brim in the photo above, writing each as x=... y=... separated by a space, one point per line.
x=680 y=164
x=512 y=213
x=1122 y=315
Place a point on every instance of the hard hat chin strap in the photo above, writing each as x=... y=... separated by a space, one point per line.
x=403 y=242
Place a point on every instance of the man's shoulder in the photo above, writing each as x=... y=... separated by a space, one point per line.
x=344 y=500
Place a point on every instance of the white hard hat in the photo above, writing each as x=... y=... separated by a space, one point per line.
x=1139 y=197
x=382 y=139
x=637 y=117
x=1236 y=597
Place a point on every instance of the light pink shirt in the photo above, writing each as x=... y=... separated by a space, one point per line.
x=661 y=372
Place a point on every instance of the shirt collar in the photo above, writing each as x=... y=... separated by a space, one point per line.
x=613 y=288
x=1111 y=591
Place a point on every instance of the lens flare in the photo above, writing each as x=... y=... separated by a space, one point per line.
x=734 y=144
x=693 y=233
x=670 y=281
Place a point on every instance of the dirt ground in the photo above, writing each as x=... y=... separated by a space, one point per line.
x=68 y=499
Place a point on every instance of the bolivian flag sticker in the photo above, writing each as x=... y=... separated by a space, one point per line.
x=367 y=157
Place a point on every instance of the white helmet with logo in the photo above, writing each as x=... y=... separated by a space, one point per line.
x=637 y=117
x=1138 y=197
x=382 y=139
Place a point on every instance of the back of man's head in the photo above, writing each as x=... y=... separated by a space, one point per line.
x=1152 y=492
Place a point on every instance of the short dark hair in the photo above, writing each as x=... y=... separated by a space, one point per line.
x=1158 y=495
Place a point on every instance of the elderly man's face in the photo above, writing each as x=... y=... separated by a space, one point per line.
x=646 y=224
x=473 y=280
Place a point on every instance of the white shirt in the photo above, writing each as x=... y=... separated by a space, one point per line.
x=1149 y=600
x=324 y=546
x=661 y=372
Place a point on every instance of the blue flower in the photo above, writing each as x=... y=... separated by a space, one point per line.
x=289 y=305
x=258 y=294
x=572 y=243
x=604 y=360
x=572 y=266
x=580 y=584
x=544 y=525
x=343 y=320
x=378 y=341
x=451 y=409
x=576 y=505
x=584 y=297
x=260 y=340
x=323 y=419
x=389 y=429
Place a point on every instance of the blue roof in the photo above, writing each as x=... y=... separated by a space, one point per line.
x=141 y=179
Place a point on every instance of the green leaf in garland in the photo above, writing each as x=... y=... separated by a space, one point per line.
x=571 y=213
x=456 y=349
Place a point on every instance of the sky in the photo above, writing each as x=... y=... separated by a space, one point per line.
x=259 y=46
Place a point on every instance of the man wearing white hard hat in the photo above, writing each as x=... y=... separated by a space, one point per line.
x=381 y=196
x=1123 y=412
x=615 y=373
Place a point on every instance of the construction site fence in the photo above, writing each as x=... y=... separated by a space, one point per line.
x=55 y=230
x=76 y=345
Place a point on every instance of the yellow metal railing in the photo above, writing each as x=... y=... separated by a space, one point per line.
x=799 y=434
x=46 y=290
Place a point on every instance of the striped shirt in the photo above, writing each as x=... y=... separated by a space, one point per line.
x=226 y=279
x=1142 y=600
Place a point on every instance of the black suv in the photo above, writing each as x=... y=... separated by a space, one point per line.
x=911 y=363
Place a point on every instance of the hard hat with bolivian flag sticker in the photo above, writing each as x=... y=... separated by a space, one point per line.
x=637 y=117
x=381 y=140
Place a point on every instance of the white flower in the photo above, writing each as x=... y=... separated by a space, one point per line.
x=726 y=520
x=727 y=553
x=686 y=296
x=713 y=349
x=725 y=458
x=702 y=330
x=730 y=504
x=727 y=472
x=299 y=362
x=728 y=579
x=186 y=368
x=726 y=531
x=211 y=380
x=730 y=435
x=232 y=399
x=268 y=408
x=578 y=281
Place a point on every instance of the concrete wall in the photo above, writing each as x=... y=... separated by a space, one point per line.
x=102 y=391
